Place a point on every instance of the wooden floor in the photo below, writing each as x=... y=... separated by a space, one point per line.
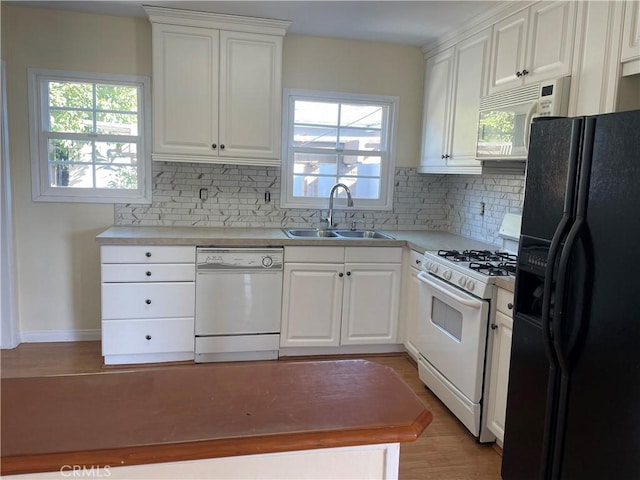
x=446 y=451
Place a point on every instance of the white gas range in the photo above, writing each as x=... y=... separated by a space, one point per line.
x=457 y=290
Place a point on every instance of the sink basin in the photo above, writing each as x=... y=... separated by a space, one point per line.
x=309 y=233
x=318 y=233
x=363 y=234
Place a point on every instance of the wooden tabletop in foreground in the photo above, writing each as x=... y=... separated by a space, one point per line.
x=176 y=413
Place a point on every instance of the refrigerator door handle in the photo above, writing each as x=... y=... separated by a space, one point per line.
x=560 y=315
x=558 y=236
x=548 y=287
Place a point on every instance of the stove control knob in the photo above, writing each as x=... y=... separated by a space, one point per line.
x=471 y=285
x=447 y=274
x=434 y=268
x=267 y=261
x=427 y=265
x=462 y=282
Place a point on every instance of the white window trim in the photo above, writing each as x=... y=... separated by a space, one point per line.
x=388 y=168
x=40 y=189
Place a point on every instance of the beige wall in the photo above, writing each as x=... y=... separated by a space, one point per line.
x=364 y=67
x=57 y=256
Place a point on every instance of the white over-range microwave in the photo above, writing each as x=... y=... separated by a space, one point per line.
x=505 y=117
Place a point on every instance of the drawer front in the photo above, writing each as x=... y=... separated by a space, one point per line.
x=147 y=254
x=161 y=272
x=314 y=254
x=147 y=336
x=505 y=298
x=373 y=254
x=148 y=300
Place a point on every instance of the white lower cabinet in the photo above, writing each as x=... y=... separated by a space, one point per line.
x=148 y=302
x=411 y=303
x=502 y=328
x=334 y=296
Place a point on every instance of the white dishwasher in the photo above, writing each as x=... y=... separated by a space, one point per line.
x=238 y=303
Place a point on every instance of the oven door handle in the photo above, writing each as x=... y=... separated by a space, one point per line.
x=424 y=278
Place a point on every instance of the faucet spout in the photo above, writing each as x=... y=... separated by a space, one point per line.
x=329 y=218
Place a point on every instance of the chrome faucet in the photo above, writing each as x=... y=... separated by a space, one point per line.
x=329 y=218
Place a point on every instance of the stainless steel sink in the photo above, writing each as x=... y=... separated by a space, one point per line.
x=309 y=233
x=319 y=233
x=363 y=234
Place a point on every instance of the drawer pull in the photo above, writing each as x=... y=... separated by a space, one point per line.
x=493 y=326
x=510 y=306
x=148 y=254
x=147 y=273
x=147 y=301
x=148 y=337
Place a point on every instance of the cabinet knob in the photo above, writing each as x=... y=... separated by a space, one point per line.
x=148 y=337
x=493 y=326
x=214 y=146
x=518 y=74
x=348 y=274
x=510 y=306
x=447 y=155
x=525 y=72
x=222 y=146
x=147 y=301
x=148 y=254
x=442 y=157
x=341 y=274
x=418 y=262
x=147 y=273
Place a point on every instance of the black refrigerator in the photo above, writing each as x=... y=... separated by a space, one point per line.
x=573 y=403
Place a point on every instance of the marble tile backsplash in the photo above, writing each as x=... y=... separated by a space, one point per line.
x=236 y=198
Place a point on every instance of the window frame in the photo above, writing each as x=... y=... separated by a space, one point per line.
x=41 y=189
x=387 y=164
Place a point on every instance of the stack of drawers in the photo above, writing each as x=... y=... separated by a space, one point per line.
x=148 y=303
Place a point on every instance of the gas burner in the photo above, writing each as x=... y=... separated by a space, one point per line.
x=454 y=255
x=482 y=256
x=493 y=270
x=510 y=267
x=508 y=257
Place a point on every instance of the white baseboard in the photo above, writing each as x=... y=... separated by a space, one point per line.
x=39 y=336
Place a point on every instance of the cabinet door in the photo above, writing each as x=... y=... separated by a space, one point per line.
x=311 y=305
x=472 y=56
x=185 y=90
x=508 y=52
x=412 y=309
x=370 y=304
x=437 y=109
x=499 y=380
x=250 y=95
x=550 y=42
x=631 y=31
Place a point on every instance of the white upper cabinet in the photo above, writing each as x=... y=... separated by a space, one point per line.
x=185 y=93
x=250 y=95
x=631 y=32
x=533 y=45
x=454 y=83
x=437 y=110
x=217 y=87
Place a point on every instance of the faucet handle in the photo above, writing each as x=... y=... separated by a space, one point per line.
x=354 y=222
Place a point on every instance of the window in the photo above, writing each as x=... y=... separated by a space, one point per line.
x=335 y=137
x=89 y=137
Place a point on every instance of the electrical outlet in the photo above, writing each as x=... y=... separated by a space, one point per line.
x=204 y=194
